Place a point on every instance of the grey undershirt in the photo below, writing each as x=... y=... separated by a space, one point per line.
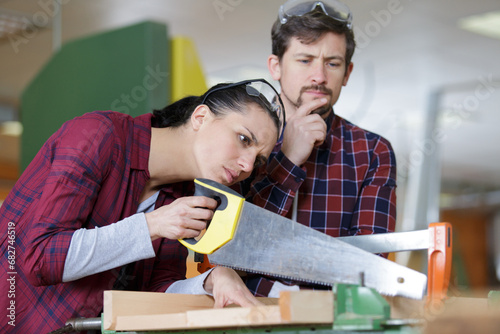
x=92 y=251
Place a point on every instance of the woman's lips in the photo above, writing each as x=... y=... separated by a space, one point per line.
x=231 y=176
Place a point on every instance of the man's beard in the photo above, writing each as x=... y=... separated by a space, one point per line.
x=324 y=109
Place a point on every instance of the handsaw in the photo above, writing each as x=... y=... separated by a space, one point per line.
x=246 y=237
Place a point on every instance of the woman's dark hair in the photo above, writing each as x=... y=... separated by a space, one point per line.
x=177 y=113
x=309 y=28
x=220 y=102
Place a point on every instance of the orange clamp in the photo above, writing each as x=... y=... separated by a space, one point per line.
x=203 y=263
x=439 y=262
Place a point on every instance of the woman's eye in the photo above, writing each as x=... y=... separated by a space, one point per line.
x=245 y=140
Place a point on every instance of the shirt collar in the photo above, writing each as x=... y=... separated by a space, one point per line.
x=172 y=191
x=329 y=121
x=330 y=124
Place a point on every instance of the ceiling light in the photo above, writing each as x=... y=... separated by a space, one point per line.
x=13 y=23
x=487 y=24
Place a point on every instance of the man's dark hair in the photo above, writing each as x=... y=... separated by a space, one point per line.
x=309 y=28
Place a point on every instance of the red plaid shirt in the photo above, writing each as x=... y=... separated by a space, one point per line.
x=346 y=187
x=89 y=174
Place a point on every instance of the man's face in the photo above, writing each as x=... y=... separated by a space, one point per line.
x=312 y=71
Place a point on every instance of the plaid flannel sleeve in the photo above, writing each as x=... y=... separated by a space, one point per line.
x=276 y=185
x=375 y=211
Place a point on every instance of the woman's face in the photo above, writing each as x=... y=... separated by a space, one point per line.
x=228 y=147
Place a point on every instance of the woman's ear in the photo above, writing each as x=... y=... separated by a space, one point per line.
x=199 y=116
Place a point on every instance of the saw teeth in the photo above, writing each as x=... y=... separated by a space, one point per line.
x=389 y=294
x=275 y=275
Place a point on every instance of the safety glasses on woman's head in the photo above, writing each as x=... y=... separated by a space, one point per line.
x=333 y=8
x=265 y=92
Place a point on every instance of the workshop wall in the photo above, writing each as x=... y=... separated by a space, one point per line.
x=124 y=70
x=472 y=264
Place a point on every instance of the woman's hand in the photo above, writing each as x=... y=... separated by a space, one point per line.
x=228 y=288
x=185 y=217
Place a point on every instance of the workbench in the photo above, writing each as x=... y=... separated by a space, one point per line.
x=347 y=309
x=354 y=308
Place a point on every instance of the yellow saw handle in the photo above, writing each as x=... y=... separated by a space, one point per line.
x=223 y=224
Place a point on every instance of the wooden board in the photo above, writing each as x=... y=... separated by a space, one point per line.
x=209 y=318
x=406 y=308
x=307 y=307
x=131 y=303
x=145 y=311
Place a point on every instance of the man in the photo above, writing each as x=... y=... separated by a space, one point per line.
x=326 y=173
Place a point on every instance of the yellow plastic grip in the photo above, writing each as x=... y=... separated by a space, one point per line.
x=221 y=228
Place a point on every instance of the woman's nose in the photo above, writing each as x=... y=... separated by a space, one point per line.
x=246 y=162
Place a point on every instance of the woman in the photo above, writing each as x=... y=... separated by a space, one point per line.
x=103 y=203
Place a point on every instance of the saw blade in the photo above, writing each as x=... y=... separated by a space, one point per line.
x=269 y=244
x=390 y=242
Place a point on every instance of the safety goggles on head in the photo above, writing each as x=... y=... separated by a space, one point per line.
x=333 y=8
x=265 y=92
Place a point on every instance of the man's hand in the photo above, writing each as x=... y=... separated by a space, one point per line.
x=303 y=132
x=185 y=217
x=227 y=288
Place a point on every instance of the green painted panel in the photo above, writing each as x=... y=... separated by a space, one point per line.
x=126 y=70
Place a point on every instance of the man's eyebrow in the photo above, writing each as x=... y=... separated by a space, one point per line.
x=335 y=57
x=303 y=54
x=307 y=55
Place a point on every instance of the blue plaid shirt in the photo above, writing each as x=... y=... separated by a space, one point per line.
x=346 y=187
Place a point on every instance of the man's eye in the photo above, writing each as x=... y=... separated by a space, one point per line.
x=304 y=61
